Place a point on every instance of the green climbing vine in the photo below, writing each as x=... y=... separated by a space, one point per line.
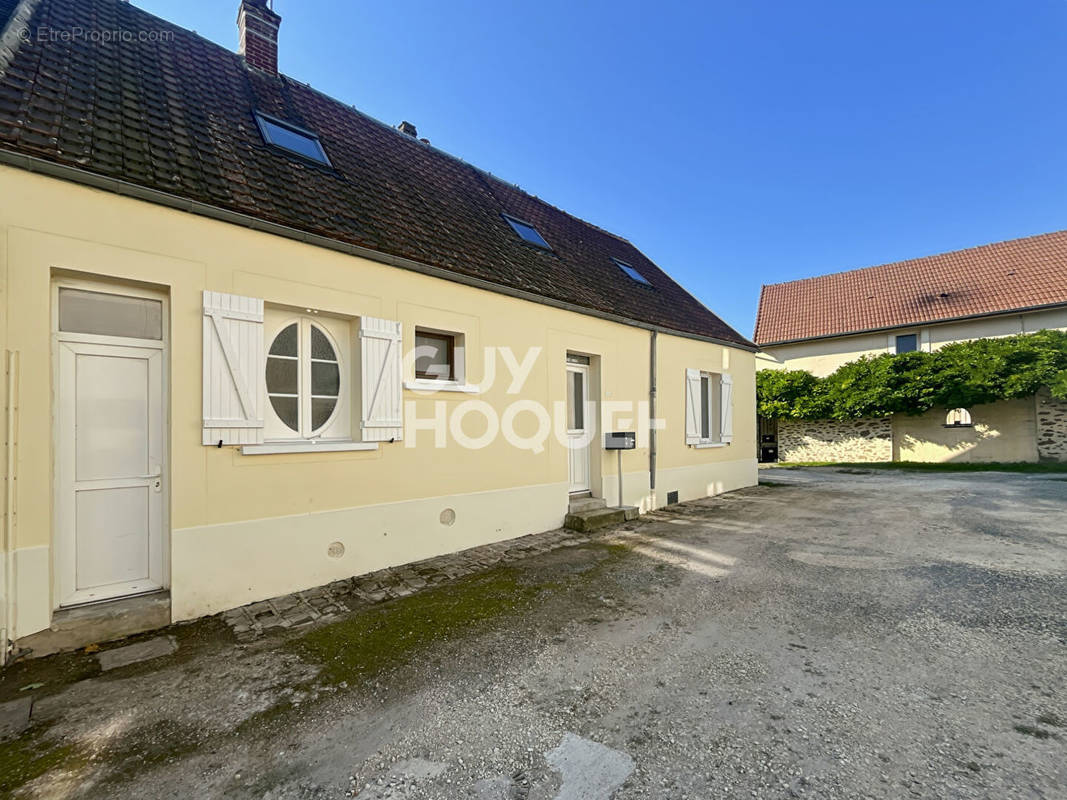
x=959 y=375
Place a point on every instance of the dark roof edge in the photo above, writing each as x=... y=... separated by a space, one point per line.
x=937 y=321
x=127 y=189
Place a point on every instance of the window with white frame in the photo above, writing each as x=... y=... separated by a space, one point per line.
x=708 y=408
x=307 y=375
x=279 y=380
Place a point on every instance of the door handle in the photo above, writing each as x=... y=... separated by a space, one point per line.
x=157 y=480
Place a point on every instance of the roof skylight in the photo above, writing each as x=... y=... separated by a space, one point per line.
x=527 y=231
x=633 y=273
x=289 y=137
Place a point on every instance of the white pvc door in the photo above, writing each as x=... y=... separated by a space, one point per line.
x=109 y=467
x=578 y=437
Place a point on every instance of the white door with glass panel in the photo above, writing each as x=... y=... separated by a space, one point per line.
x=578 y=436
x=110 y=444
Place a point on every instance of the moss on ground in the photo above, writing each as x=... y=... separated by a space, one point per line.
x=388 y=635
x=30 y=756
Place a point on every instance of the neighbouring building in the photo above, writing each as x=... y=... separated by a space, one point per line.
x=256 y=341
x=818 y=324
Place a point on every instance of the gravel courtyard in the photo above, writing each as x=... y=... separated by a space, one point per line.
x=830 y=633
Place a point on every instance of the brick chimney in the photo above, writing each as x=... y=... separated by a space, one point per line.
x=258 y=25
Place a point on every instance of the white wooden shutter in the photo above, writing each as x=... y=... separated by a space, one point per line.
x=692 y=406
x=726 y=407
x=233 y=369
x=382 y=380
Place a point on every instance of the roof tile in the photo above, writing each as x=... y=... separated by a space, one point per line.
x=991 y=279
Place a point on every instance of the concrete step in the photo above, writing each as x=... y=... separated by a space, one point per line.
x=76 y=627
x=586 y=503
x=594 y=519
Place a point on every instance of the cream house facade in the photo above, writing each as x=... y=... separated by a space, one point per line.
x=209 y=404
x=820 y=324
x=822 y=356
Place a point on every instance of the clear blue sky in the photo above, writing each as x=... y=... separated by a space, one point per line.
x=735 y=143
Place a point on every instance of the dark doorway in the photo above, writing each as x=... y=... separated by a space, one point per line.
x=767 y=444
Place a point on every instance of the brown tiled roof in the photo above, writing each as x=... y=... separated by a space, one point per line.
x=177 y=116
x=992 y=279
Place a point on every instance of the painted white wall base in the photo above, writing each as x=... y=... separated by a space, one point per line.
x=634 y=490
x=705 y=480
x=32 y=588
x=218 y=567
x=691 y=483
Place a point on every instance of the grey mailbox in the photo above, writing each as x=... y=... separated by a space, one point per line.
x=620 y=440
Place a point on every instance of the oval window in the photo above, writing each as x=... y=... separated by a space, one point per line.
x=303 y=377
x=283 y=376
x=325 y=378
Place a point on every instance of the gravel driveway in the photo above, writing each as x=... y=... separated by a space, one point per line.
x=831 y=634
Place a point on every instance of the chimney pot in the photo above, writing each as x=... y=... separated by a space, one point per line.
x=408 y=128
x=258 y=26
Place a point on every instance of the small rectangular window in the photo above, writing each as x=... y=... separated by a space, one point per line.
x=527 y=232
x=435 y=356
x=907 y=343
x=633 y=273
x=290 y=137
x=105 y=314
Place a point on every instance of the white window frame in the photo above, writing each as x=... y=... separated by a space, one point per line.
x=918 y=341
x=712 y=406
x=338 y=428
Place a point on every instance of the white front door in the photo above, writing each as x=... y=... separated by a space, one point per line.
x=110 y=454
x=578 y=426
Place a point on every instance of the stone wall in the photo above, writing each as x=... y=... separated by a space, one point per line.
x=1051 y=427
x=835 y=440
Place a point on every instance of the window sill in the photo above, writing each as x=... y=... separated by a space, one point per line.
x=421 y=385
x=707 y=445
x=274 y=448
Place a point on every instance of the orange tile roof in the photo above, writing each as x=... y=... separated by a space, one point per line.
x=991 y=279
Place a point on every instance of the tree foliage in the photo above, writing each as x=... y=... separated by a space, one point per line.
x=959 y=375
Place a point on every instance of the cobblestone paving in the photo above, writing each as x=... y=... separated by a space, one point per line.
x=324 y=603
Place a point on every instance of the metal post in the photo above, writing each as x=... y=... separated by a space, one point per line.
x=620 y=478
